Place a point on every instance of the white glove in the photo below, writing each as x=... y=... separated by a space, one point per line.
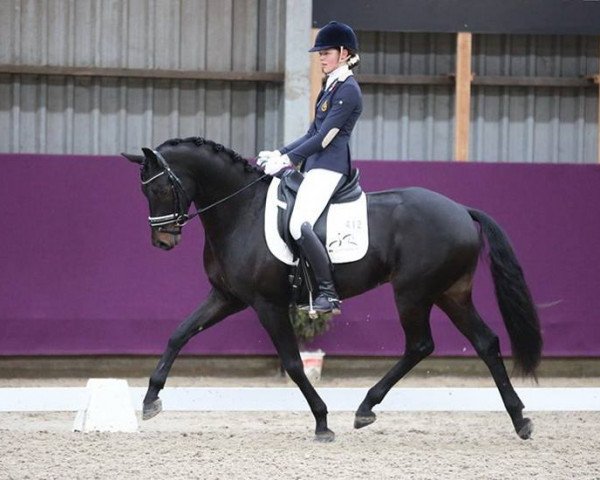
x=265 y=155
x=275 y=164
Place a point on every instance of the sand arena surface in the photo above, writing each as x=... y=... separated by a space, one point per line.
x=232 y=445
x=214 y=445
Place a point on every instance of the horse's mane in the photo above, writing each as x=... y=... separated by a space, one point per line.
x=217 y=147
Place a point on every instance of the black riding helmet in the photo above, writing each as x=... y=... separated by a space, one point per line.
x=335 y=35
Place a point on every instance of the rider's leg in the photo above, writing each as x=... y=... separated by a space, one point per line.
x=327 y=299
x=313 y=195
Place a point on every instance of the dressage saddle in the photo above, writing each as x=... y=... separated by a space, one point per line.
x=346 y=191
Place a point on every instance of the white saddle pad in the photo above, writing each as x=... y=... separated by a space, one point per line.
x=347 y=229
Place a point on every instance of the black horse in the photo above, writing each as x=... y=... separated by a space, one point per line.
x=426 y=246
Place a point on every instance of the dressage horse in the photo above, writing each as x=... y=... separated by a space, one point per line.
x=424 y=244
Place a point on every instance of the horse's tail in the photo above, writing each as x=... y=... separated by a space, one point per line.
x=513 y=296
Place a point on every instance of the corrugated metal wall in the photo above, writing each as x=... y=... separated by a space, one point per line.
x=56 y=114
x=53 y=114
x=406 y=122
x=533 y=124
x=508 y=124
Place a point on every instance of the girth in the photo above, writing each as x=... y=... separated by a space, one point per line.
x=346 y=191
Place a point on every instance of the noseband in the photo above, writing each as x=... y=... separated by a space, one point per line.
x=180 y=198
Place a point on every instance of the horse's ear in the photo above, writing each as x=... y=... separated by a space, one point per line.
x=133 y=158
x=150 y=155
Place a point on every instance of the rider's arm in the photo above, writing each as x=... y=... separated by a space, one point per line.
x=299 y=141
x=345 y=104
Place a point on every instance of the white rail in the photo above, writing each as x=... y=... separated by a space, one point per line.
x=290 y=399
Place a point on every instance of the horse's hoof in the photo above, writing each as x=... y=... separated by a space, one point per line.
x=363 y=420
x=325 y=437
x=524 y=428
x=152 y=409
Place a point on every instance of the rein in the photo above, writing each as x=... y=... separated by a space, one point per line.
x=218 y=202
x=180 y=218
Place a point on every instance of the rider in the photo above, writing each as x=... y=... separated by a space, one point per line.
x=323 y=153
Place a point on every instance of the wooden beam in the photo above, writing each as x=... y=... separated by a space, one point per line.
x=483 y=80
x=228 y=76
x=277 y=77
x=462 y=114
x=316 y=75
x=374 y=79
x=522 y=81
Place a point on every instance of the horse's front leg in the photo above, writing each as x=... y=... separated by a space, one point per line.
x=275 y=319
x=214 y=309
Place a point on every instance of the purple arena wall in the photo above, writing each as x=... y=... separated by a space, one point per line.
x=78 y=274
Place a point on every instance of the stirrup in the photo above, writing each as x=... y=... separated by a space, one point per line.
x=319 y=306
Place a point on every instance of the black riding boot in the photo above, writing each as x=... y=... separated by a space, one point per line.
x=327 y=300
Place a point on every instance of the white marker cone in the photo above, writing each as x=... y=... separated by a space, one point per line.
x=109 y=408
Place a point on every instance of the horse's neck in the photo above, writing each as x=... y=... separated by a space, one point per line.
x=215 y=180
x=239 y=210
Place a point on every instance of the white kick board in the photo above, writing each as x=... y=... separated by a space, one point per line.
x=290 y=399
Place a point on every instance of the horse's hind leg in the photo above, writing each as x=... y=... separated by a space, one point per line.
x=215 y=308
x=459 y=307
x=419 y=344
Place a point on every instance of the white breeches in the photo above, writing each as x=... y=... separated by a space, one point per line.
x=313 y=194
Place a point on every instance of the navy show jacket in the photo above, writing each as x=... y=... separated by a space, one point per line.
x=338 y=107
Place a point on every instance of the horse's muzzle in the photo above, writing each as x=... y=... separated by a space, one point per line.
x=166 y=239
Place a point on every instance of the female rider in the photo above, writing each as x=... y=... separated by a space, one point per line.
x=323 y=153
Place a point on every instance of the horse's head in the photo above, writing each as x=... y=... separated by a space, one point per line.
x=182 y=170
x=167 y=198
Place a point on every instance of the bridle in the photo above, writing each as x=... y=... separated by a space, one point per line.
x=180 y=199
